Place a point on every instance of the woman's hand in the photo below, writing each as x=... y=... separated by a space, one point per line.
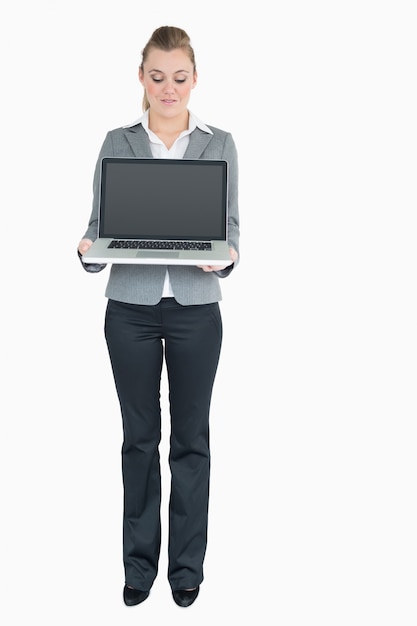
x=92 y=268
x=217 y=268
x=84 y=245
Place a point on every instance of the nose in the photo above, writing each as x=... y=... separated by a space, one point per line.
x=169 y=87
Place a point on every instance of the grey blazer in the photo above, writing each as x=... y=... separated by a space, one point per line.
x=143 y=284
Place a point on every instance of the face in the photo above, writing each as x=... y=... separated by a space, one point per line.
x=168 y=78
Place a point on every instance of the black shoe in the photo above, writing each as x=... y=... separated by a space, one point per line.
x=133 y=596
x=185 y=598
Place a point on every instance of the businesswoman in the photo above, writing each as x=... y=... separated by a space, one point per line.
x=158 y=314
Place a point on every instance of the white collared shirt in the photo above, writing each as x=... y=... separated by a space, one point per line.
x=177 y=151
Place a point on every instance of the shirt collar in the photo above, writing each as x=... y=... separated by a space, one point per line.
x=193 y=123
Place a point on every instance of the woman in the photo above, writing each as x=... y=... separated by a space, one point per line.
x=156 y=313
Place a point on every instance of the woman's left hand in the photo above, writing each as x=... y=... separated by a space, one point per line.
x=217 y=268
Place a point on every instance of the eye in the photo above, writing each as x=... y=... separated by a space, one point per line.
x=180 y=80
x=156 y=80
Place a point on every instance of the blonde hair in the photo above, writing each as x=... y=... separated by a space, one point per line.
x=167 y=38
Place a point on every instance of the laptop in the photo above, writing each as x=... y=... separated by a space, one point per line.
x=162 y=211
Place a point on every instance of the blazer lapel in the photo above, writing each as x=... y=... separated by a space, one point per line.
x=199 y=141
x=139 y=142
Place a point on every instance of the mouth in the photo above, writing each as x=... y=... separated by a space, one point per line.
x=168 y=101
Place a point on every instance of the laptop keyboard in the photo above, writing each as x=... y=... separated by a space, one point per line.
x=143 y=244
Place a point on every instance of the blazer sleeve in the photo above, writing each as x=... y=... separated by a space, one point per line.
x=233 y=227
x=106 y=150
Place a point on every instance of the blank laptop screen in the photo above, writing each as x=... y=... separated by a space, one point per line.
x=163 y=199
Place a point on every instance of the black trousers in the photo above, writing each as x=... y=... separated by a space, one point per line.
x=138 y=339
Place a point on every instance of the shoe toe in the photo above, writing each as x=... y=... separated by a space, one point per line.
x=185 y=598
x=132 y=597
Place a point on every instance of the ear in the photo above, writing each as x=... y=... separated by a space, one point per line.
x=140 y=74
x=194 y=79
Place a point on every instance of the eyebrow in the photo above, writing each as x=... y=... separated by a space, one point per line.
x=161 y=72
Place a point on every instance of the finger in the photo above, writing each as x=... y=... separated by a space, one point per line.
x=84 y=245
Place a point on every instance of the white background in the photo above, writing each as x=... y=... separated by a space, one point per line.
x=313 y=495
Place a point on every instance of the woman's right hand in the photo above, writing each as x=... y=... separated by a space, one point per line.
x=84 y=245
x=92 y=268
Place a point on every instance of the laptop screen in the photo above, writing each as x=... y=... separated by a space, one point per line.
x=163 y=199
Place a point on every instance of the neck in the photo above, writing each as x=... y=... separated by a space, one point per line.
x=159 y=124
